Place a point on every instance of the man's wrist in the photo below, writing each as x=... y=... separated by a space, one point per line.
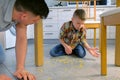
x=19 y=67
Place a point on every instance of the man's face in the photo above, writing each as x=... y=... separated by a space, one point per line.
x=28 y=18
x=77 y=22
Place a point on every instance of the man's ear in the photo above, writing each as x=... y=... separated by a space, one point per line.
x=23 y=15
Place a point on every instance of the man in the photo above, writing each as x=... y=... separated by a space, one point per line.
x=20 y=13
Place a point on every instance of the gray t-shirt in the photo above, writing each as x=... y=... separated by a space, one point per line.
x=6 y=9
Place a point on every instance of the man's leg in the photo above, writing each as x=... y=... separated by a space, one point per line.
x=79 y=51
x=58 y=50
x=2 y=55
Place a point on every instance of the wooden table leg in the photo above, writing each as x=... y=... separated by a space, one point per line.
x=38 y=34
x=103 y=48
x=117 y=46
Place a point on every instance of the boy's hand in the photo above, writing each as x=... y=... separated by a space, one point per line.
x=82 y=28
x=94 y=52
x=68 y=50
x=21 y=73
x=4 y=77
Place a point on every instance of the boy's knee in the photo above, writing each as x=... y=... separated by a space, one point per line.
x=82 y=56
x=52 y=53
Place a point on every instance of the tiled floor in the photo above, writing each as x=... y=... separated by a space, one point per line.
x=64 y=67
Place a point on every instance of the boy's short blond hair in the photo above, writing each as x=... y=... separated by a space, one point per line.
x=80 y=13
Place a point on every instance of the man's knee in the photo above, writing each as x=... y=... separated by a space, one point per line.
x=2 y=58
x=2 y=55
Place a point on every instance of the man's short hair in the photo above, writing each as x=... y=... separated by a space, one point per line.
x=37 y=7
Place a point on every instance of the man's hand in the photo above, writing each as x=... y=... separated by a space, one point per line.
x=4 y=77
x=21 y=73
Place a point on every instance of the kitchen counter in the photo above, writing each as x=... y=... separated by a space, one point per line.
x=74 y=6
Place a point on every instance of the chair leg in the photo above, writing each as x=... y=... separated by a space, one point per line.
x=77 y=4
x=117 y=46
x=94 y=37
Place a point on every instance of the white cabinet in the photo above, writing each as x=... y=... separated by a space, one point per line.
x=30 y=31
x=98 y=12
x=50 y=25
x=64 y=15
x=54 y=21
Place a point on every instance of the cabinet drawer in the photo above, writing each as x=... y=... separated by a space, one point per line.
x=65 y=14
x=51 y=35
x=98 y=12
x=50 y=20
x=30 y=31
x=52 y=13
x=50 y=27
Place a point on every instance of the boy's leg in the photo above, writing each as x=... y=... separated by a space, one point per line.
x=2 y=55
x=58 y=50
x=79 y=51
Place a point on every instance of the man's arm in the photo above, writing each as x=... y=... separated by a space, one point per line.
x=21 y=45
x=21 y=50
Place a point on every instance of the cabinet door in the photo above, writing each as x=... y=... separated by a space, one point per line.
x=52 y=17
x=65 y=15
x=50 y=35
x=98 y=12
x=50 y=27
x=30 y=31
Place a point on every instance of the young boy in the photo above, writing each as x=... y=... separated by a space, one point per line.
x=73 y=38
x=20 y=13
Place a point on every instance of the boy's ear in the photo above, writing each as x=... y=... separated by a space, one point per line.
x=72 y=18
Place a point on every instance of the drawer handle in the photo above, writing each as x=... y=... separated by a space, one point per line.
x=48 y=26
x=50 y=18
x=67 y=10
x=51 y=10
x=48 y=33
x=100 y=9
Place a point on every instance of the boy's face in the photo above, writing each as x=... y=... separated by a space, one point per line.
x=77 y=22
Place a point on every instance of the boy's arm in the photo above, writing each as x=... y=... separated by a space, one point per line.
x=21 y=50
x=68 y=49
x=92 y=51
x=63 y=43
